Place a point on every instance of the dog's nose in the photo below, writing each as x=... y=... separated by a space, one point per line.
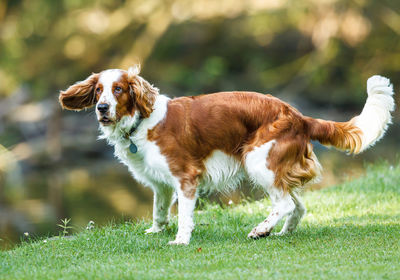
x=103 y=107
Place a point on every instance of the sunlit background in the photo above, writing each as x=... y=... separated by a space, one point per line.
x=314 y=54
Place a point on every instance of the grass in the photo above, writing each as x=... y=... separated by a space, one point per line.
x=351 y=231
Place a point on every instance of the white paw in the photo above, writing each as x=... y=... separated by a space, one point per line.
x=153 y=229
x=378 y=84
x=256 y=233
x=281 y=233
x=180 y=240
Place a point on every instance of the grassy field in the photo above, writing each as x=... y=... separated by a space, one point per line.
x=351 y=231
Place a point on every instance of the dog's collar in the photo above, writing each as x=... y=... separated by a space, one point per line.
x=133 y=128
x=132 y=147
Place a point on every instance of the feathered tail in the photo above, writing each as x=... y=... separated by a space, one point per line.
x=364 y=130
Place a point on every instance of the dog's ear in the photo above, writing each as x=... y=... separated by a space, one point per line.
x=143 y=92
x=81 y=95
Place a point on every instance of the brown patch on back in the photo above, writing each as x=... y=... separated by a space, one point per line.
x=233 y=122
x=236 y=123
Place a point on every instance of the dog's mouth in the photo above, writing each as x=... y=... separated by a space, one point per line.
x=106 y=121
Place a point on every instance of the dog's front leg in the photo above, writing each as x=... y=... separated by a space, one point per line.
x=161 y=207
x=186 y=204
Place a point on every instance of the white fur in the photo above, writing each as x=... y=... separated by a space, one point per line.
x=375 y=117
x=256 y=166
x=282 y=205
x=134 y=70
x=185 y=219
x=260 y=175
x=107 y=78
x=223 y=173
x=148 y=165
x=163 y=199
x=293 y=218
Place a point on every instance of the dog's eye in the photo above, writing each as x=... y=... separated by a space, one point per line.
x=98 y=90
x=117 y=90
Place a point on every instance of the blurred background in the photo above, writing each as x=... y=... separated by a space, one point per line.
x=314 y=54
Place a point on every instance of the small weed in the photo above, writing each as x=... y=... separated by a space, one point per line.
x=90 y=225
x=64 y=226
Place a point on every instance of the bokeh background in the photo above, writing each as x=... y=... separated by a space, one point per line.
x=314 y=54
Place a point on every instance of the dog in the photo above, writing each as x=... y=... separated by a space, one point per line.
x=214 y=141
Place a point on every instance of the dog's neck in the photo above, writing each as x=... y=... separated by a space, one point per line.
x=117 y=133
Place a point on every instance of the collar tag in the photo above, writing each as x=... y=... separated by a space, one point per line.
x=133 y=148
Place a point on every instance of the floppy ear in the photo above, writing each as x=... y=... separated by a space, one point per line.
x=143 y=92
x=80 y=95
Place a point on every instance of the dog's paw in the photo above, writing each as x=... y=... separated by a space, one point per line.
x=153 y=229
x=180 y=240
x=281 y=233
x=256 y=233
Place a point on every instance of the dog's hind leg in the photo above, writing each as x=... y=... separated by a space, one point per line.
x=282 y=205
x=163 y=199
x=256 y=167
x=294 y=218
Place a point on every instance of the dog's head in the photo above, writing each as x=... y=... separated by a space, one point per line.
x=116 y=93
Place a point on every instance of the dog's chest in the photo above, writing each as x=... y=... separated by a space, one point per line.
x=147 y=165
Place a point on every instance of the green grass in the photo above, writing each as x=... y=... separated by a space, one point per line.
x=350 y=231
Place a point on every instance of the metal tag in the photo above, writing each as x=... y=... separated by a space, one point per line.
x=133 y=148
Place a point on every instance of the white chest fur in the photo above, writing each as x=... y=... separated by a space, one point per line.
x=148 y=165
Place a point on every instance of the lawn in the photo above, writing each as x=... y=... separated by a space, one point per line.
x=351 y=231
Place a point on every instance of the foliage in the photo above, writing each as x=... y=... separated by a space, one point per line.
x=350 y=232
x=300 y=47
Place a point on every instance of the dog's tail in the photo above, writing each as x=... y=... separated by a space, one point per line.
x=364 y=130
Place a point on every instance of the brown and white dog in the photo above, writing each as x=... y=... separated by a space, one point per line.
x=214 y=141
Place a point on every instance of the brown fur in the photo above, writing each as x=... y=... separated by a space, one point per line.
x=125 y=100
x=342 y=135
x=144 y=94
x=80 y=95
